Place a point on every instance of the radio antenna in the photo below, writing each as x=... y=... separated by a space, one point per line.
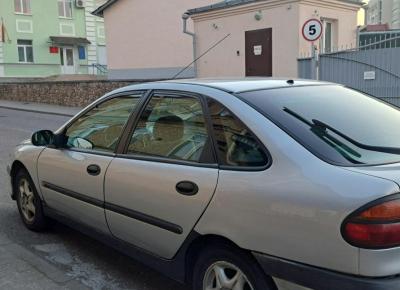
x=206 y=52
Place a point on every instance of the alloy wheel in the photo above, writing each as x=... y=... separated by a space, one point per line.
x=27 y=200
x=225 y=276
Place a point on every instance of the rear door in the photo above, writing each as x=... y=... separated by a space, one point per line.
x=156 y=192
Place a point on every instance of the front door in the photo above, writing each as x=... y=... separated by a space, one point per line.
x=67 y=58
x=102 y=55
x=259 y=52
x=158 y=190
x=72 y=179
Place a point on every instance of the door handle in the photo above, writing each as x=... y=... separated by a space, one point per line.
x=93 y=170
x=187 y=188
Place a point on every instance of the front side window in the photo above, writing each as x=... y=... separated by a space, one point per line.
x=22 y=6
x=339 y=125
x=171 y=127
x=236 y=144
x=65 y=8
x=101 y=127
x=25 y=50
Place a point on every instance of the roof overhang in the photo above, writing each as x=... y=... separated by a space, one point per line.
x=234 y=3
x=99 y=11
x=65 y=40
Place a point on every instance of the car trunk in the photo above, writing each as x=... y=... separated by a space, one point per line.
x=390 y=171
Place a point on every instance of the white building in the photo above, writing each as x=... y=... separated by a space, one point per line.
x=396 y=15
x=384 y=12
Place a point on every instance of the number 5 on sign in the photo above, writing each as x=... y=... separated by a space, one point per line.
x=312 y=30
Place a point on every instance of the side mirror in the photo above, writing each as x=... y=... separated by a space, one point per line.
x=43 y=138
x=48 y=138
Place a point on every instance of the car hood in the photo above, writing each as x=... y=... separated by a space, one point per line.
x=25 y=142
x=389 y=172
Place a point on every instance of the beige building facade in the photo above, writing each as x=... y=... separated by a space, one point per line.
x=246 y=24
x=145 y=38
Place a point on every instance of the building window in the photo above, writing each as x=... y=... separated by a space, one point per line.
x=328 y=37
x=22 y=6
x=65 y=8
x=101 y=32
x=24 y=26
x=25 y=51
x=67 y=29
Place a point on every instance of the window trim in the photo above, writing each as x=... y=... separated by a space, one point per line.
x=133 y=120
x=102 y=29
x=67 y=24
x=64 y=129
x=24 y=47
x=217 y=164
x=64 y=10
x=22 y=8
x=123 y=153
x=325 y=23
x=18 y=22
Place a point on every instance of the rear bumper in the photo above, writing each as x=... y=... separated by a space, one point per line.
x=320 y=279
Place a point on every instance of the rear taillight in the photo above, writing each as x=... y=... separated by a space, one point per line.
x=375 y=226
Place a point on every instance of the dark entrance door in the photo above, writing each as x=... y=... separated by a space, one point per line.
x=259 y=52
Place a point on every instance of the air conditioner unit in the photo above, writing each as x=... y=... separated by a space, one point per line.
x=80 y=3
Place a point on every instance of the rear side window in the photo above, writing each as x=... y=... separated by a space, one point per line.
x=237 y=146
x=171 y=127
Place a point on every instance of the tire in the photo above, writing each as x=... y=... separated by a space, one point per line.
x=229 y=259
x=28 y=202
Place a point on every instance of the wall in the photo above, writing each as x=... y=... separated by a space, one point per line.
x=345 y=18
x=93 y=26
x=74 y=94
x=45 y=23
x=286 y=19
x=145 y=38
x=1 y=60
x=224 y=61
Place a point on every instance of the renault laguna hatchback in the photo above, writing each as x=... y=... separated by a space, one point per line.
x=228 y=184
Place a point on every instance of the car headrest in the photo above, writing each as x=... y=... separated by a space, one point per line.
x=169 y=128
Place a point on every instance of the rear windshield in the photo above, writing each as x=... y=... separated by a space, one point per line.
x=337 y=124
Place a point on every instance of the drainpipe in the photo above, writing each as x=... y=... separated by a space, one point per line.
x=185 y=18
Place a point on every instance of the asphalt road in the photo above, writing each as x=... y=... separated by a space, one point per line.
x=85 y=260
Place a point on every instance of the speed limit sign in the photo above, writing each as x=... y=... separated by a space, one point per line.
x=312 y=30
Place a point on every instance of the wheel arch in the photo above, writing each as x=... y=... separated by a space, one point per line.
x=15 y=168
x=203 y=242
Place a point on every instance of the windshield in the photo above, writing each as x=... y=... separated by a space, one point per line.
x=337 y=124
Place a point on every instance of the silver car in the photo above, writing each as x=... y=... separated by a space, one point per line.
x=228 y=184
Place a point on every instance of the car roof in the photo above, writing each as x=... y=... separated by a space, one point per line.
x=249 y=84
x=231 y=85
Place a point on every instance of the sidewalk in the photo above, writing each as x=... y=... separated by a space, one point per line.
x=40 y=108
x=21 y=269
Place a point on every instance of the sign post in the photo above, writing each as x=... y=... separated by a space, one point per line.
x=312 y=31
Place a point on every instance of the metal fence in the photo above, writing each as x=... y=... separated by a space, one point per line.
x=370 y=69
x=379 y=39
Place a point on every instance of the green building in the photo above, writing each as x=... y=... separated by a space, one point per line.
x=51 y=37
